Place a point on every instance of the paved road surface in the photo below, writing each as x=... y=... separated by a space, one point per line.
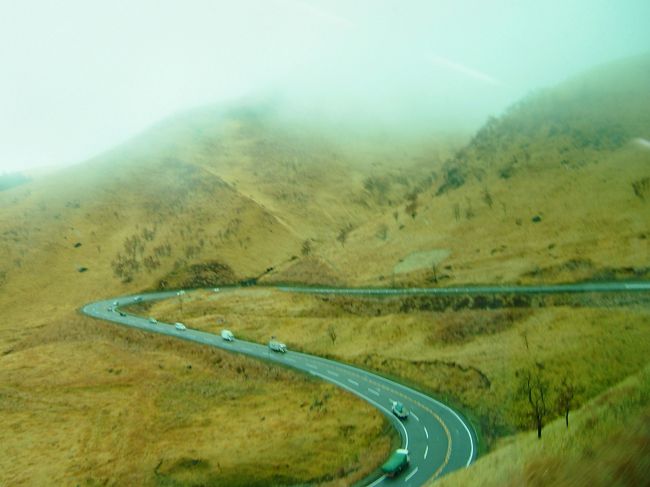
x=438 y=439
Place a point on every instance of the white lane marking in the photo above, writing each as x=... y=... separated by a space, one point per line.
x=332 y=373
x=426 y=452
x=372 y=391
x=367 y=399
x=470 y=458
x=408 y=477
x=312 y=366
x=378 y=481
x=353 y=382
x=416 y=418
x=442 y=405
x=426 y=432
x=171 y=294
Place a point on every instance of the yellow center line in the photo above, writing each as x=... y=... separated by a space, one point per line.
x=433 y=413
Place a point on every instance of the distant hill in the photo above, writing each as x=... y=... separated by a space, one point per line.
x=211 y=197
x=579 y=122
x=555 y=189
x=208 y=197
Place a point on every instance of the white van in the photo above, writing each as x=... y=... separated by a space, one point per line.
x=277 y=346
x=227 y=335
x=180 y=326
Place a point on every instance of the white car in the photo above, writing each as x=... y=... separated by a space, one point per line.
x=180 y=326
x=153 y=320
x=399 y=410
x=277 y=346
x=227 y=335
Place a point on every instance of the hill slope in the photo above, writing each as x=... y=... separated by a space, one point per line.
x=556 y=189
x=189 y=203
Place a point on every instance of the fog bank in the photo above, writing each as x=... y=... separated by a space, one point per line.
x=79 y=77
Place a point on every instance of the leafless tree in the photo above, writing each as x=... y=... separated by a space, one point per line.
x=566 y=394
x=534 y=389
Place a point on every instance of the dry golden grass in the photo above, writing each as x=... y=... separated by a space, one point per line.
x=83 y=403
x=589 y=214
x=606 y=444
x=110 y=426
x=251 y=195
x=469 y=356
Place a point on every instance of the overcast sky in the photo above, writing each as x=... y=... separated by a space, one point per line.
x=79 y=76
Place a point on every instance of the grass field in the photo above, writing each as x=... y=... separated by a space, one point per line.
x=607 y=444
x=468 y=356
x=93 y=404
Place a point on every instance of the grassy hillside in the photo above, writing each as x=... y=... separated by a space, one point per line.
x=471 y=357
x=607 y=443
x=85 y=402
x=556 y=189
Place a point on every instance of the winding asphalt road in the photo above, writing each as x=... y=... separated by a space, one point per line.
x=438 y=439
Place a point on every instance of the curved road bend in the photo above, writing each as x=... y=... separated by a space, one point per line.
x=438 y=439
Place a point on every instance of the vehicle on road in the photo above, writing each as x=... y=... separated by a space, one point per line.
x=115 y=303
x=122 y=313
x=397 y=462
x=227 y=335
x=180 y=326
x=153 y=320
x=399 y=410
x=277 y=346
x=137 y=299
x=111 y=309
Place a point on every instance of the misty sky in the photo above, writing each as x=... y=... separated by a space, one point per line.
x=79 y=76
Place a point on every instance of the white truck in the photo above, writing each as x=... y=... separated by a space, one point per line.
x=227 y=335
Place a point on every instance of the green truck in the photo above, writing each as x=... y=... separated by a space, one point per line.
x=397 y=462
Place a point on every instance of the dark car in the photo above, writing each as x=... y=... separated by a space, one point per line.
x=397 y=462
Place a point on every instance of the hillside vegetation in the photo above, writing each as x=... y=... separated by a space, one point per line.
x=88 y=403
x=471 y=357
x=556 y=189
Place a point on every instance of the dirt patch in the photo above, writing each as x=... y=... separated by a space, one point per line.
x=421 y=260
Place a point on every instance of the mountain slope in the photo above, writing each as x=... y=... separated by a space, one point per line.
x=557 y=189
x=85 y=402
